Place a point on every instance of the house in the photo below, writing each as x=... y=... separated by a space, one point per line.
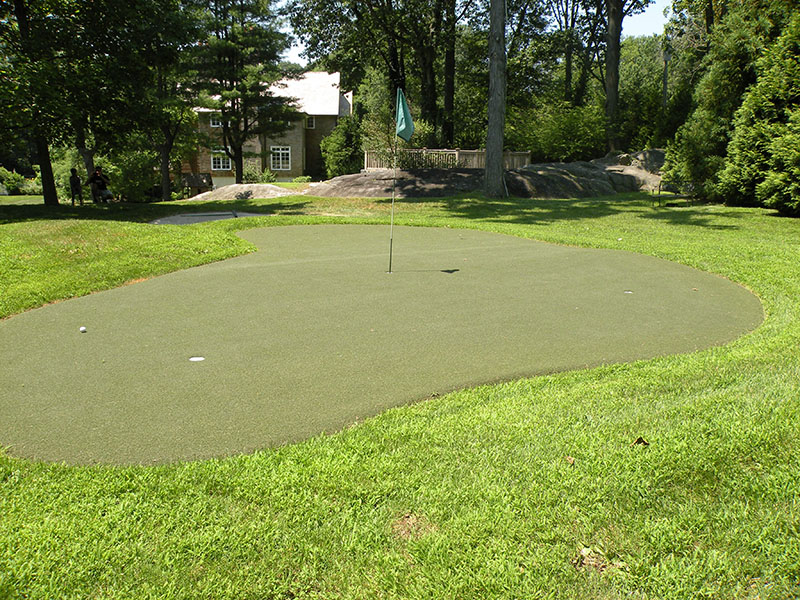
x=296 y=152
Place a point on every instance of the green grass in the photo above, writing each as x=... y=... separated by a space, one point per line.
x=528 y=489
x=293 y=185
x=20 y=200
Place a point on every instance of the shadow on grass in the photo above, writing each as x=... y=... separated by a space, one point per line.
x=466 y=205
x=532 y=211
x=144 y=213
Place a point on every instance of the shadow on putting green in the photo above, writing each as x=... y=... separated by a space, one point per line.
x=311 y=334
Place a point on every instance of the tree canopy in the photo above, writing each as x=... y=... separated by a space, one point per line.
x=712 y=88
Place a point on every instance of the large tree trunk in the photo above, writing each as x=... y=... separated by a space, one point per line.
x=166 y=182
x=494 y=171
x=87 y=154
x=48 y=181
x=614 y=14
x=448 y=124
x=426 y=57
x=709 y=16
x=397 y=71
x=169 y=134
x=238 y=164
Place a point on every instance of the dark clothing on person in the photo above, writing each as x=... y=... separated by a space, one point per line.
x=75 y=187
x=99 y=182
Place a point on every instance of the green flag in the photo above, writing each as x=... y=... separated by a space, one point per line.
x=405 y=126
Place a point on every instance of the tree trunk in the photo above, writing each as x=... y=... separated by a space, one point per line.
x=579 y=93
x=165 y=149
x=448 y=124
x=87 y=154
x=238 y=164
x=397 y=72
x=614 y=13
x=48 y=181
x=166 y=182
x=493 y=174
x=426 y=56
x=568 y=52
x=709 y=16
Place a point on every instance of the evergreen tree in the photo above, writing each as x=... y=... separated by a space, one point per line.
x=696 y=157
x=237 y=63
x=763 y=162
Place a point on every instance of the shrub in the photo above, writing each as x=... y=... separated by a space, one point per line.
x=33 y=186
x=14 y=182
x=781 y=186
x=342 y=149
x=557 y=132
x=302 y=179
x=252 y=174
x=133 y=175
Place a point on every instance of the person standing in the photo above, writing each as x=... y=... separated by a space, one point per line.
x=75 y=186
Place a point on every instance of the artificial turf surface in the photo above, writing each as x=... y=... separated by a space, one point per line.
x=310 y=334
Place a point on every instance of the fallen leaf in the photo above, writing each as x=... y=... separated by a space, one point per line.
x=640 y=441
x=570 y=460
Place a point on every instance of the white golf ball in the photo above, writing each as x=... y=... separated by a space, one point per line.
x=82 y=329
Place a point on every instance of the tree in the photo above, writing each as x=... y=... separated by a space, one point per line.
x=616 y=11
x=763 y=159
x=641 y=109
x=409 y=39
x=494 y=171
x=237 y=63
x=697 y=155
x=29 y=78
x=169 y=94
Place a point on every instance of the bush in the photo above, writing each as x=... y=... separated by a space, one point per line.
x=341 y=149
x=781 y=186
x=33 y=186
x=13 y=182
x=252 y=174
x=302 y=179
x=557 y=131
x=133 y=174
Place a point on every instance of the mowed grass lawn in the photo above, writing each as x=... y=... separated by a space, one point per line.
x=528 y=489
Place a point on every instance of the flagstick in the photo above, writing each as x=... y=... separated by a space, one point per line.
x=391 y=222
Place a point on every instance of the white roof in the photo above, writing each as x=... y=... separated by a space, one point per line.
x=317 y=93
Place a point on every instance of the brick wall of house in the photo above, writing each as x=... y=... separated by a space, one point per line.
x=315 y=165
x=295 y=139
x=201 y=161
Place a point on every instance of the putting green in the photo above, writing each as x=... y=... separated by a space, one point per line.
x=311 y=334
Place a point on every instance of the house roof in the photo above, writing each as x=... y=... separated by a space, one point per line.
x=317 y=93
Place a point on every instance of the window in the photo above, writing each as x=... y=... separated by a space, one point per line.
x=220 y=161
x=280 y=158
x=311 y=122
x=214 y=121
